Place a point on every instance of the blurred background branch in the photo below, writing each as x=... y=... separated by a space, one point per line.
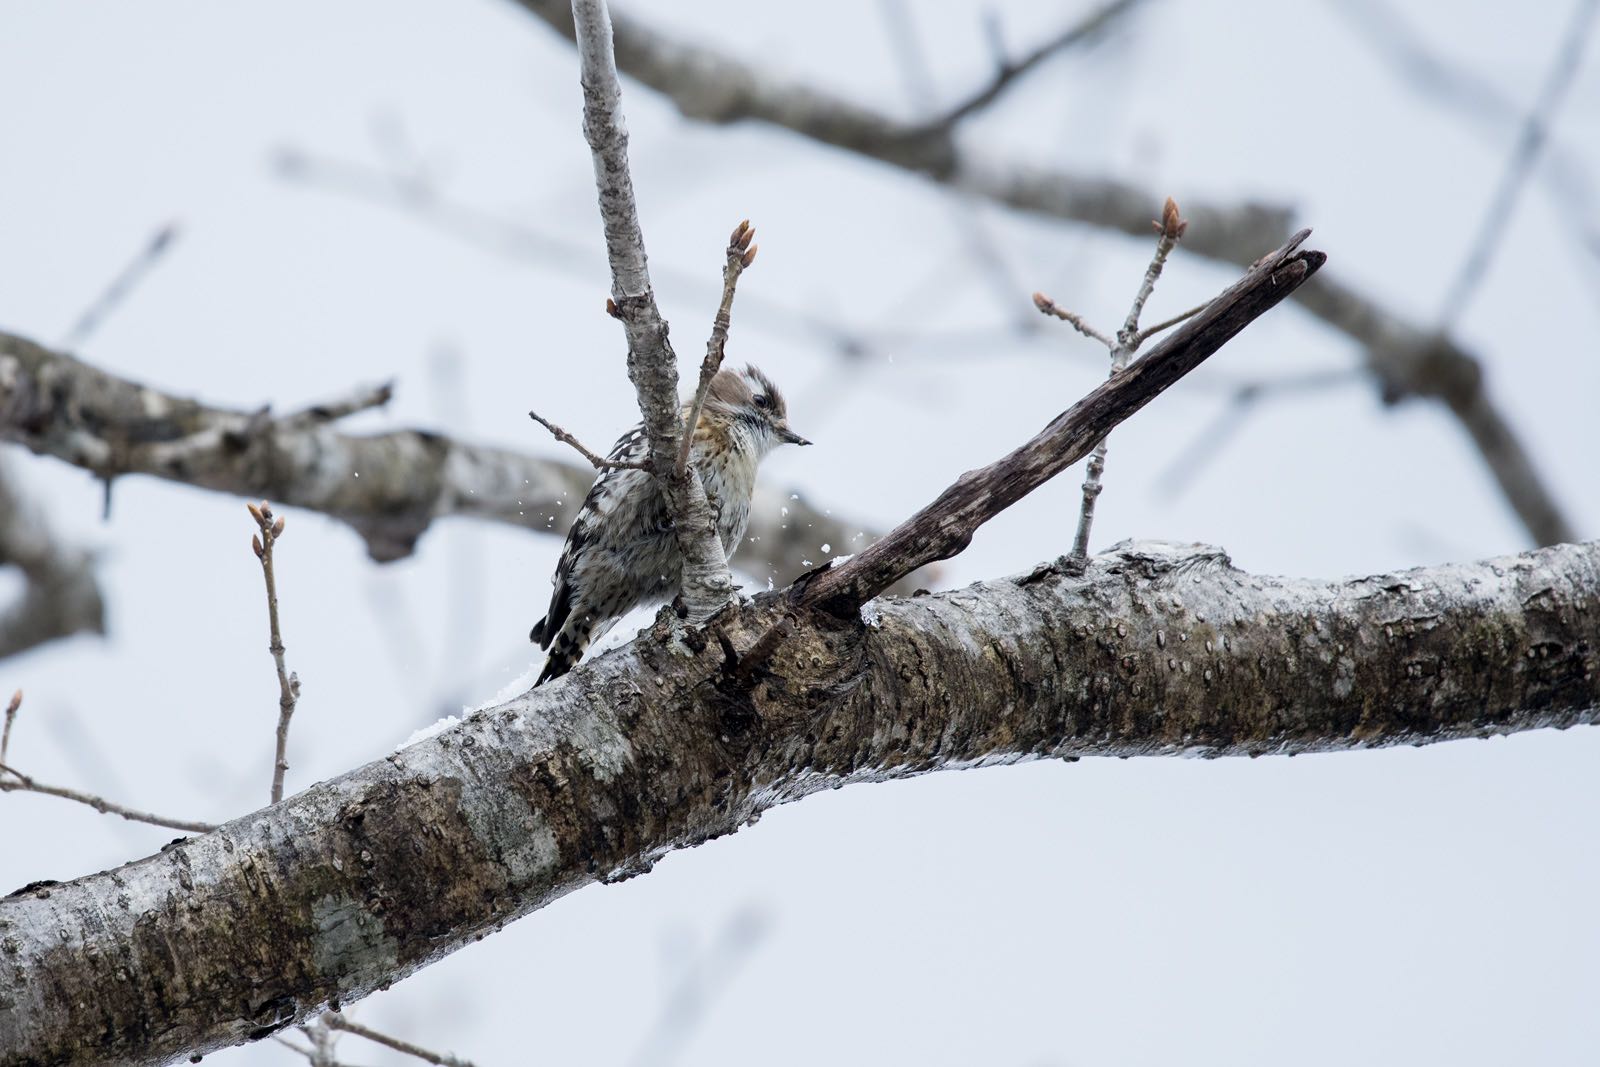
x=1404 y=359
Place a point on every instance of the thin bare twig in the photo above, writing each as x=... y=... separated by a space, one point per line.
x=706 y=974
x=288 y=682
x=944 y=527
x=1150 y=331
x=741 y=253
x=27 y=784
x=1071 y=318
x=12 y=780
x=1170 y=228
x=599 y=462
x=335 y=1021
x=11 y=716
x=121 y=286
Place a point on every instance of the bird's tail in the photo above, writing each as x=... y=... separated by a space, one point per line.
x=567 y=649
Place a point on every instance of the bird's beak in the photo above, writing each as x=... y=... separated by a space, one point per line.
x=786 y=434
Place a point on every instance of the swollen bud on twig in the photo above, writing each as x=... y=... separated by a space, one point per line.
x=255 y=513
x=16 y=702
x=741 y=232
x=1043 y=303
x=611 y=308
x=277 y=527
x=749 y=257
x=1172 y=225
x=255 y=543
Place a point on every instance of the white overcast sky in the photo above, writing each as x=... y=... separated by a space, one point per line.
x=1409 y=907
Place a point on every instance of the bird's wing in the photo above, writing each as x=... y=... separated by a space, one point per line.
x=631 y=447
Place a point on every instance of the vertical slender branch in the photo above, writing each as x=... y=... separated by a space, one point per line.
x=1129 y=338
x=652 y=365
x=739 y=256
x=288 y=682
x=11 y=717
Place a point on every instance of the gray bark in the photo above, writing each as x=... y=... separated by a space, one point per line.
x=1153 y=649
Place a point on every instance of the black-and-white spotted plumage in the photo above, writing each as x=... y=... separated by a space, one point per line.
x=621 y=551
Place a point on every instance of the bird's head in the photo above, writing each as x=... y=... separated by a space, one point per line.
x=750 y=397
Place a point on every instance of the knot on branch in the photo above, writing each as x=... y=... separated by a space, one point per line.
x=1160 y=559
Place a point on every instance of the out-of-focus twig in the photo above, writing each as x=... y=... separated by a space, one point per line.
x=1229 y=419
x=271 y=529
x=1008 y=71
x=1531 y=139
x=1457 y=87
x=121 y=286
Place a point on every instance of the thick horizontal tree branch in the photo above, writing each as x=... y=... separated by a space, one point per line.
x=946 y=526
x=1404 y=359
x=390 y=487
x=1152 y=649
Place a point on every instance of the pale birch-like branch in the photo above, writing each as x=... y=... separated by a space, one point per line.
x=335 y=1021
x=597 y=461
x=1149 y=650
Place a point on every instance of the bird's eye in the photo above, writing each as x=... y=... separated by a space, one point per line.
x=761 y=400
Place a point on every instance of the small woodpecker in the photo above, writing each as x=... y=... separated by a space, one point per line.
x=622 y=551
